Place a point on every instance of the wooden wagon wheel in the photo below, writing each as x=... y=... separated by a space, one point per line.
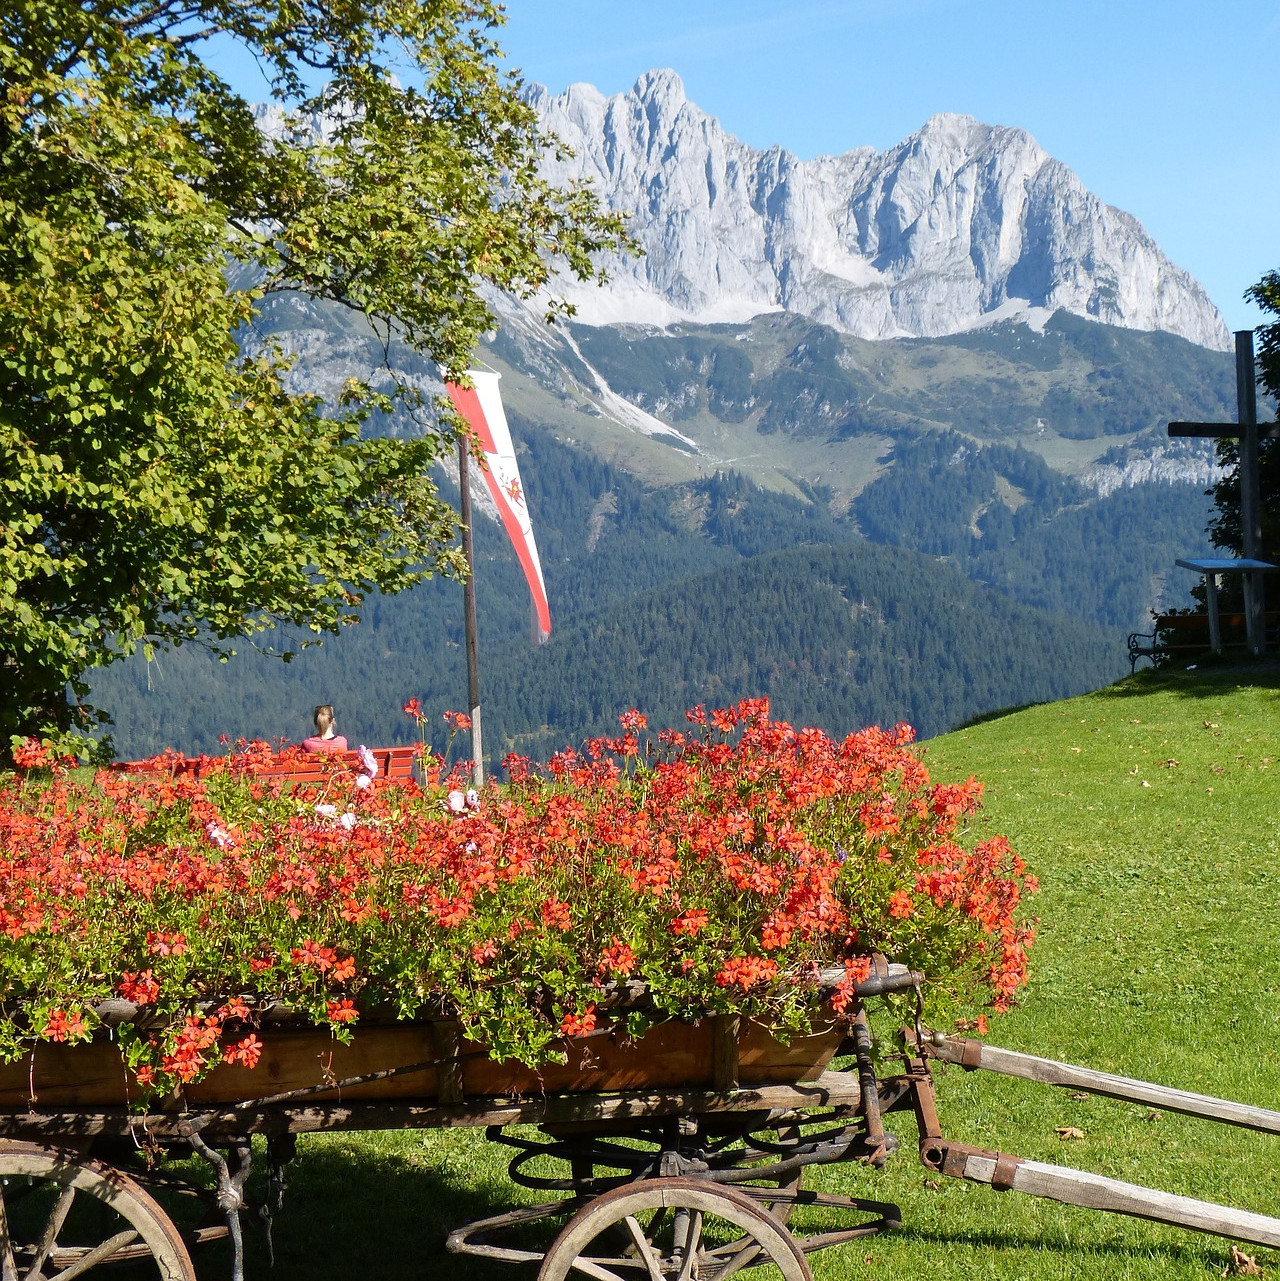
x=64 y=1215
x=672 y=1229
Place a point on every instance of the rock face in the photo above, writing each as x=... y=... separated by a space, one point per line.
x=960 y=224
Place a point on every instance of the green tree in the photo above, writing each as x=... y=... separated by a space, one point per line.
x=1225 y=529
x=160 y=482
x=1266 y=293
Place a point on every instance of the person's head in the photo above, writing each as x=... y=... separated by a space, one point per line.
x=323 y=717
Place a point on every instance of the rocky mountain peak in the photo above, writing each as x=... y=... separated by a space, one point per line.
x=957 y=226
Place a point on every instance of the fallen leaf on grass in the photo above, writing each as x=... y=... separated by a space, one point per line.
x=1068 y=1132
x=933 y=1185
x=1241 y=1265
x=1079 y=1094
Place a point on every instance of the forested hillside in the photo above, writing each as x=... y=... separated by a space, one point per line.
x=837 y=636
x=1012 y=522
x=717 y=589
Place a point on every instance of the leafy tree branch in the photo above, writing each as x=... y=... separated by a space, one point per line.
x=159 y=481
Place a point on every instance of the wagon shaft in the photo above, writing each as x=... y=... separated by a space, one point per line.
x=977 y=1054
x=1095 y=1192
x=1006 y=1172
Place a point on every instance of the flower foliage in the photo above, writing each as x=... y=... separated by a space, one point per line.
x=722 y=868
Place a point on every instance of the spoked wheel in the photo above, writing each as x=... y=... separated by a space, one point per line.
x=673 y=1229
x=64 y=1215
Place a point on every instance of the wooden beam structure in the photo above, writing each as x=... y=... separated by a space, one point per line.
x=1249 y=433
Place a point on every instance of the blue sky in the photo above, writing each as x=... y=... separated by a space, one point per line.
x=1168 y=110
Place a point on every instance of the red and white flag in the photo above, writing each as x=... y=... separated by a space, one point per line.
x=481 y=406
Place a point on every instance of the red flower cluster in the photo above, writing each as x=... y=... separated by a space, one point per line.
x=724 y=870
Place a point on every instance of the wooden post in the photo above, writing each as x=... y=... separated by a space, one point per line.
x=1095 y=1192
x=1247 y=413
x=992 y=1058
x=448 y=1044
x=469 y=611
x=724 y=1051
x=1215 y=624
x=1247 y=431
x=1250 y=485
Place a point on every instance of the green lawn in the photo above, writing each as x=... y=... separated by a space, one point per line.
x=1149 y=810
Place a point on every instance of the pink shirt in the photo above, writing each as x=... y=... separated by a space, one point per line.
x=314 y=744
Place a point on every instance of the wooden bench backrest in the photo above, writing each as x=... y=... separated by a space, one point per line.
x=1197 y=625
x=393 y=762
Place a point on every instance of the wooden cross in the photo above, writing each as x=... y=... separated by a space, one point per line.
x=1248 y=432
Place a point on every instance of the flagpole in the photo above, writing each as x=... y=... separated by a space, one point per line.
x=469 y=611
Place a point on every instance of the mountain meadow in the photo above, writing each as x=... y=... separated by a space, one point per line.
x=1147 y=810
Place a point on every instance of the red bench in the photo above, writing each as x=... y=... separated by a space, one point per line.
x=395 y=763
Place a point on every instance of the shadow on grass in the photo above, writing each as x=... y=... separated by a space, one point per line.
x=383 y=1214
x=1004 y=1240
x=1208 y=677
x=998 y=714
x=387 y=1216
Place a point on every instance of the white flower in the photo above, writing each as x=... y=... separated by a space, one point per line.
x=473 y=799
x=348 y=821
x=363 y=781
x=456 y=801
x=219 y=836
x=327 y=811
x=368 y=762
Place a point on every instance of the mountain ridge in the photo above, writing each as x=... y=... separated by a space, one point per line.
x=957 y=225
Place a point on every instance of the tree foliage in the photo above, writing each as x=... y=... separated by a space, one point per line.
x=160 y=479
x=1226 y=530
x=1266 y=293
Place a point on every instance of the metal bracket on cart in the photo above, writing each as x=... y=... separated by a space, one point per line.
x=232 y=1174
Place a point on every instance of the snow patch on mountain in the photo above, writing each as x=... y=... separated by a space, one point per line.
x=623 y=412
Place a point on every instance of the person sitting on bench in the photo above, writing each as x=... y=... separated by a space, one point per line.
x=325 y=739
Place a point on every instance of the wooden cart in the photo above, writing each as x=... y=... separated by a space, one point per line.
x=682 y=1153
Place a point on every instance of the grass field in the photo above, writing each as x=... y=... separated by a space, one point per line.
x=1151 y=812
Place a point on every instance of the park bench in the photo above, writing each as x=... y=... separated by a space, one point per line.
x=1185 y=635
x=395 y=763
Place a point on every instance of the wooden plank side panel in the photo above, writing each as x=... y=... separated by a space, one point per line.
x=53 y=1076
x=831 y=1089
x=668 y=1055
x=676 y=1056
x=95 y=1075
x=762 y=1058
x=307 y=1057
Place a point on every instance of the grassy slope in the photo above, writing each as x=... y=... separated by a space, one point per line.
x=1150 y=812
